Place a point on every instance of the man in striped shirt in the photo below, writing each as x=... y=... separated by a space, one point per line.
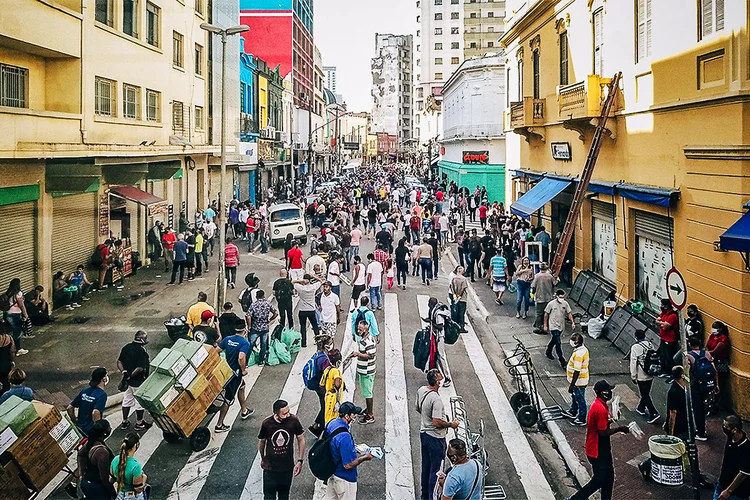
x=578 y=378
x=365 y=354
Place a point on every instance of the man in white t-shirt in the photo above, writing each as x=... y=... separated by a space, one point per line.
x=375 y=281
x=359 y=280
x=334 y=273
x=330 y=310
x=316 y=266
x=444 y=227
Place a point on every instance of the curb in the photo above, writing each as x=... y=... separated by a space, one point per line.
x=114 y=399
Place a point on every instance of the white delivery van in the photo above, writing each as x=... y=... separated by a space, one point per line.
x=287 y=218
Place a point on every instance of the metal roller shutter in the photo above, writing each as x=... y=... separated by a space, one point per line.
x=601 y=210
x=18 y=260
x=74 y=231
x=654 y=226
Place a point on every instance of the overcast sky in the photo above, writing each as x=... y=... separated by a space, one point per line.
x=345 y=34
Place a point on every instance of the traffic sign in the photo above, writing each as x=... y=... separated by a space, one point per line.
x=676 y=289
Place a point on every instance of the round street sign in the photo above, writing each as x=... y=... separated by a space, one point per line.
x=676 y=289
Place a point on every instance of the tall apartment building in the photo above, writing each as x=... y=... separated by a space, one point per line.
x=330 y=76
x=392 y=81
x=483 y=26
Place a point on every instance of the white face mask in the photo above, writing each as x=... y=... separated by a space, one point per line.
x=106 y=380
x=560 y=299
x=714 y=331
x=573 y=344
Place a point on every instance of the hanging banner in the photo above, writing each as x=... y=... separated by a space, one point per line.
x=104 y=215
x=654 y=262
x=605 y=250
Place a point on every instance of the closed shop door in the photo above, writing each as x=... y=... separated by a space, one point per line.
x=18 y=255
x=604 y=240
x=74 y=231
x=653 y=237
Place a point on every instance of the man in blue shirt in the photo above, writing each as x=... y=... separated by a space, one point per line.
x=180 y=258
x=90 y=402
x=498 y=275
x=343 y=484
x=237 y=350
x=464 y=481
x=363 y=313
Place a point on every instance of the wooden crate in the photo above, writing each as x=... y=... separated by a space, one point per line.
x=187 y=413
x=12 y=486
x=37 y=454
x=210 y=363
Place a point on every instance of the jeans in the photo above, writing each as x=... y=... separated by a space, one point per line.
x=402 y=271
x=337 y=290
x=304 y=317
x=263 y=335
x=523 y=295
x=667 y=350
x=469 y=265
x=603 y=479
x=14 y=322
x=426 y=265
x=699 y=410
x=578 y=405
x=718 y=491
x=95 y=491
x=376 y=299
x=433 y=453
x=459 y=313
x=285 y=312
x=178 y=265
x=353 y=250
x=415 y=236
x=435 y=266
x=231 y=274
x=345 y=264
x=250 y=241
x=263 y=243
x=555 y=343
x=645 y=404
x=276 y=483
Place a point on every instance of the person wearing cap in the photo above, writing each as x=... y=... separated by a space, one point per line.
x=598 y=447
x=276 y=448
x=237 y=350
x=259 y=317
x=330 y=310
x=195 y=311
x=134 y=365
x=90 y=402
x=577 y=372
x=343 y=484
x=206 y=331
x=669 y=330
x=543 y=288
x=555 y=313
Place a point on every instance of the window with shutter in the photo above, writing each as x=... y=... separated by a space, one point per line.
x=598 y=42
x=520 y=80
x=537 y=70
x=564 y=58
x=710 y=17
x=643 y=27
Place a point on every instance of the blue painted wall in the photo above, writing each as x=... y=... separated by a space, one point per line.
x=247 y=87
x=265 y=5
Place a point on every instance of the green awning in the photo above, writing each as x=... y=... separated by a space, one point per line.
x=126 y=173
x=178 y=174
x=93 y=188
x=19 y=194
x=71 y=176
x=162 y=170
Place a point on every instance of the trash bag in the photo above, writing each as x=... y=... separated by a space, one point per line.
x=272 y=359
x=281 y=351
x=253 y=359
x=595 y=327
x=292 y=339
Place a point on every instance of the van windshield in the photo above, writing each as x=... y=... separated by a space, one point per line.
x=286 y=214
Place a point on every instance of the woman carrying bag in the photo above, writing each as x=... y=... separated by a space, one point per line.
x=94 y=459
x=127 y=472
x=524 y=276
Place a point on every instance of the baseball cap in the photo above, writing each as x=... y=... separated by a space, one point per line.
x=97 y=375
x=349 y=408
x=603 y=385
x=207 y=315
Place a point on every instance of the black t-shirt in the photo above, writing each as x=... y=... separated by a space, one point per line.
x=132 y=356
x=434 y=244
x=283 y=290
x=372 y=215
x=401 y=255
x=227 y=322
x=384 y=238
x=736 y=460
x=280 y=437
x=676 y=401
x=346 y=240
x=212 y=336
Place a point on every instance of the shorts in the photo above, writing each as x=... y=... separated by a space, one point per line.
x=498 y=286
x=366 y=383
x=129 y=401
x=296 y=274
x=234 y=385
x=329 y=329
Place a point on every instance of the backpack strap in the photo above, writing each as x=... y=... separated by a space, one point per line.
x=419 y=407
x=476 y=480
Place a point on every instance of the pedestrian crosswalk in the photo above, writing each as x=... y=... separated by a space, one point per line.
x=231 y=459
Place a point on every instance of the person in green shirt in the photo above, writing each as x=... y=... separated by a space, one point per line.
x=127 y=471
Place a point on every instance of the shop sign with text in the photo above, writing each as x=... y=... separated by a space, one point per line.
x=476 y=157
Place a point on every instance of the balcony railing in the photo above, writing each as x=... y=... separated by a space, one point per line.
x=582 y=99
x=527 y=113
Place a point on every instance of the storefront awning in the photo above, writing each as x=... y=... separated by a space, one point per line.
x=737 y=237
x=153 y=204
x=538 y=196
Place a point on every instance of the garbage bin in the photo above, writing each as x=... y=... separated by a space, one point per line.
x=666 y=459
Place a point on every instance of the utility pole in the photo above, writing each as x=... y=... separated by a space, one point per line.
x=309 y=138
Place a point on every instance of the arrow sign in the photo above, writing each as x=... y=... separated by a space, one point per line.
x=676 y=289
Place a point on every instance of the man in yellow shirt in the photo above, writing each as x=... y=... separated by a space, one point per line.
x=578 y=377
x=333 y=382
x=195 y=311
x=199 y=252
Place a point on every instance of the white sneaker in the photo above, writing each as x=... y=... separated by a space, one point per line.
x=69 y=307
x=75 y=304
x=21 y=352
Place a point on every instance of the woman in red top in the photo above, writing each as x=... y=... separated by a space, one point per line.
x=231 y=261
x=719 y=345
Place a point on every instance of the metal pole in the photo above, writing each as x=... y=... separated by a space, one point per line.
x=309 y=138
x=222 y=223
x=692 y=449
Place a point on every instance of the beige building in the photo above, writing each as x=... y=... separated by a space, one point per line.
x=103 y=127
x=672 y=175
x=483 y=25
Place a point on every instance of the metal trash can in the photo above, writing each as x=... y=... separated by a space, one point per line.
x=667 y=459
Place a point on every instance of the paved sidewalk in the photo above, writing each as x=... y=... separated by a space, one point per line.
x=607 y=362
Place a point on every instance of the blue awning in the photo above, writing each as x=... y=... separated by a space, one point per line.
x=538 y=196
x=737 y=237
x=647 y=194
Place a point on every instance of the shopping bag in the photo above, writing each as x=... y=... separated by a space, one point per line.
x=281 y=351
x=292 y=339
x=253 y=359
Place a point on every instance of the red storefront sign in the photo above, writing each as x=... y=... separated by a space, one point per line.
x=476 y=157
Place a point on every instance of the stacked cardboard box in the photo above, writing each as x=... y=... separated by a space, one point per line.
x=12 y=486
x=185 y=380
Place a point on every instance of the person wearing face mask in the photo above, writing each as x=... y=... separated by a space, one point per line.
x=577 y=372
x=554 y=322
x=343 y=484
x=598 y=447
x=134 y=365
x=90 y=402
x=694 y=321
x=734 y=483
x=719 y=346
x=669 y=331
x=127 y=472
x=276 y=448
x=677 y=415
x=94 y=459
x=464 y=480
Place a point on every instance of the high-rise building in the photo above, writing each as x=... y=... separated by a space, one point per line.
x=330 y=76
x=484 y=24
x=392 y=81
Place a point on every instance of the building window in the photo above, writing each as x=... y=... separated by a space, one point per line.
x=13 y=86
x=130 y=17
x=153 y=106
x=418 y=32
x=419 y=19
x=199 y=7
x=473 y=45
x=438 y=60
x=104 y=12
x=438 y=46
x=454 y=60
x=598 y=41
x=490 y=44
x=178 y=119
x=438 y=2
x=535 y=60
x=507 y=88
x=473 y=15
x=563 y=58
x=418 y=4
x=419 y=48
x=454 y=45
x=198 y=118
x=454 y=30
x=105 y=92
x=438 y=16
x=438 y=76
x=153 y=15
x=418 y=61
x=711 y=17
x=643 y=29
x=454 y=2
x=519 y=95
x=490 y=29
x=178 y=57
x=490 y=14
x=131 y=97
x=454 y=15
x=438 y=31
x=198 y=59
x=420 y=92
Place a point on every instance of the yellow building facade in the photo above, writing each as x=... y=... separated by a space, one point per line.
x=674 y=169
x=103 y=127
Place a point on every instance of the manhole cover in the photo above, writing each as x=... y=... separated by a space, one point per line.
x=147 y=283
x=79 y=320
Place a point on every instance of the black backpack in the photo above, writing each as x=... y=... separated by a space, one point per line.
x=5 y=302
x=320 y=457
x=651 y=362
x=451 y=329
x=246 y=298
x=421 y=349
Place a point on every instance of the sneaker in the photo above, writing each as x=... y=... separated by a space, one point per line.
x=518 y=315
x=246 y=414
x=69 y=307
x=524 y=316
x=75 y=304
x=578 y=423
x=221 y=428
x=29 y=336
x=85 y=299
x=71 y=490
x=369 y=419
x=654 y=419
x=143 y=426
x=170 y=283
x=701 y=437
x=428 y=282
x=21 y=352
x=640 y=412
x=125 y=424
x=447 y=382
x=549 y=356
x=567 y=414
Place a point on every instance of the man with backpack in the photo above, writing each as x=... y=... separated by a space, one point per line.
x=276 y=449
x=642 y=355
x=703 y=381
x=439 y=317
x=100 y=259
x=363 y=313
x=312 y=373
x=342 y=485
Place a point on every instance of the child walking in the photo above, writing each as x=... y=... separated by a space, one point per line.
x=390 y=273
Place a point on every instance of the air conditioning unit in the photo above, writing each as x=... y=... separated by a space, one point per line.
x=277 y=135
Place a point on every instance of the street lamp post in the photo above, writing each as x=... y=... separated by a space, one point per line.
x=223 y=33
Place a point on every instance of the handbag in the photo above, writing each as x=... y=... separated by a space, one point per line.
x=123 y=385
x=27 y=328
